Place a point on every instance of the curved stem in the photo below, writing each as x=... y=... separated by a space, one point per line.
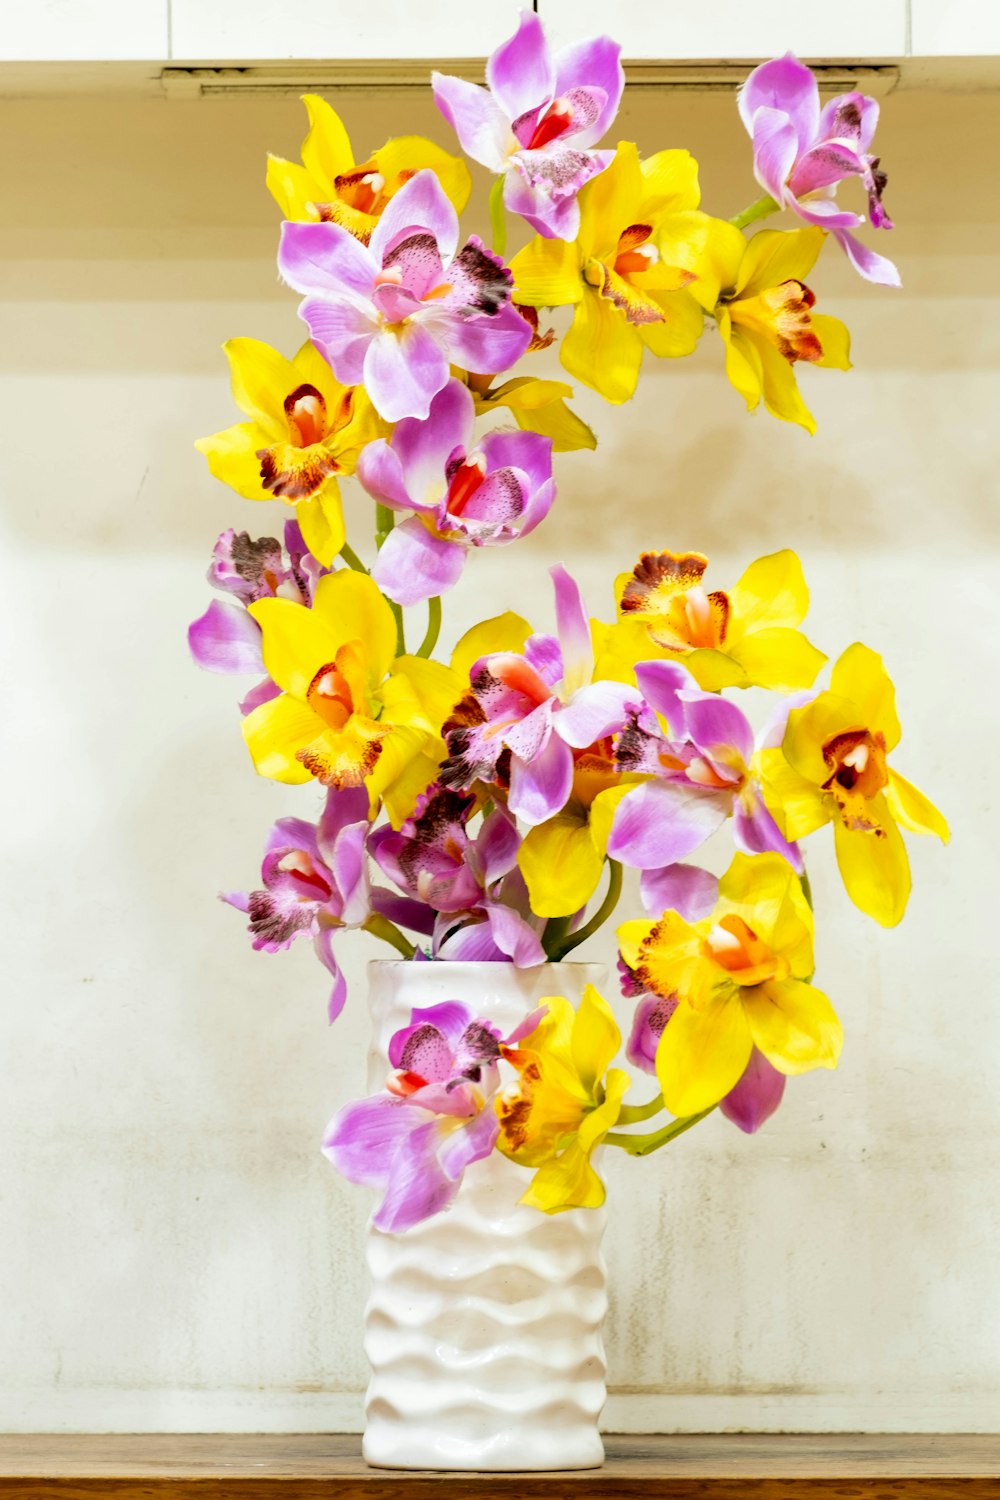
x=497 y=218
x=632 y=1114
x=385 y=520
x=644 y=1145
x=381 y=927
x=433 y=626
x=352 y=559
x=600 y=916
x=754 y=211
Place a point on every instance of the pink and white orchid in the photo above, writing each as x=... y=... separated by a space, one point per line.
x=315 y=881
x=415 y=1140
x=801 y=153
x=537 y=120
x=392 y=314
x=700 y=774
x=529 y=710
x=463 y=495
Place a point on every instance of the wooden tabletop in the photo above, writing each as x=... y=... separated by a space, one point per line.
x=316 y=1467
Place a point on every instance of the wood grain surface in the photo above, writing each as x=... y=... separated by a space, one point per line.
x=317 y=1467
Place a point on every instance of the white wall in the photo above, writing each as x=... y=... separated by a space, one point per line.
x=174 y=1252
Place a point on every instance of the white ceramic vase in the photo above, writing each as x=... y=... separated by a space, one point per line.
x=483 y=1328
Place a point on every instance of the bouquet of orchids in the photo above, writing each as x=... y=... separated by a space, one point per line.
x=472 y=806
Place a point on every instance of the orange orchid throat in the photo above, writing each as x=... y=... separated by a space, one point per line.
x=858 y=772
x=298 y=467
x=666 y=587
x=736 y=947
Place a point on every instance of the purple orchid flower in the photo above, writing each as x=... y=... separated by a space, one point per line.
x=228 y=639
x=527 y=712
x=700 y=775
x=392 y=314
x=537 y=120
x=801 y=153
x=315 y=881
x=414 y=1141
x=463 y=496
x=471 y=884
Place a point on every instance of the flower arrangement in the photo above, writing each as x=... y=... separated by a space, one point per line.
x=472 y=806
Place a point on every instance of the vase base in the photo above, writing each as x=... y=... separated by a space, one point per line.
x=507 y=1456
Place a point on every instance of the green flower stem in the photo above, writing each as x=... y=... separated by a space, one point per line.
x=806 y=887
x=644 y=1145
x=352 y=559
x=381 y=927
x=759 y=210
x=385 y=520
x=433 y=626
x=555 y=932
x=633 y=1114
x=600 y=916
x=497 y=218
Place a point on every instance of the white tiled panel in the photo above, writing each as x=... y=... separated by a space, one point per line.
x=960 y=28
x=669 y=29
x=82 y=30
x=244 y=30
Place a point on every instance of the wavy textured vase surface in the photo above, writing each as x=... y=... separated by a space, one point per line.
x=483 y=1329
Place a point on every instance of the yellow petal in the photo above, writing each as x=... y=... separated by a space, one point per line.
x=232 y=457
x=261 y=379
x=412 y=153
x=744 y=368
x=772 y=591
x=682 y=327
x=568 y=1181
x=433 y=687
x=669 y=183
x=291 y=187
x=547 y=274
x=703 y=1053
x=797 y=805
x=835 y=339
x=875 y=870
x=561 y=866
x=506 y=632
x=780 y=388
x=811 y=727
x=326 y=150
x=776 y=255
x=274 y=732
x=672 y=960
x=781 y=659
x=353 y=608
x=609 y=203
x=794 y=1025
x=910 y=807
x=596 y=1039
x=321 y=519
x=403 y=770
x=714 y=670
x=599 y=1121
x=297 y=642
x=764 y=890
x=551 y=417
x=859 y=674
x=631 y=936
x=602 y=348
x=718 y=262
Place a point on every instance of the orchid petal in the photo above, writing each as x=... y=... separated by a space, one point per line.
x=594 y=711
x=420 y=203
x=573 y=628
x=413 y=564
x=226 y=639
x=403 y=371
x=480 y=124
x=520 y=72
x=686 y=889
x=540 y=789
x=757 y=1095
x=661 y=822
x=324 y=258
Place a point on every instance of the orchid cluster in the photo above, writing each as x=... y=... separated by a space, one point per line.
x=473 y=807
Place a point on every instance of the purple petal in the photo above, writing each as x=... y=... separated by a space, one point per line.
x=850 y=117
x=324 y=258
x=469 y=942
x=527 y=451
x=497 y=846
x=513 y=935
x=865 y=261
x=394 y=304
x=420 y=203
x=573 y=629
x=553 y=214
x=423 y=448
x=482 y=127
x=651 y=1016
x=414 y=565
x=262 y=693
x=338 y=995
x=714 y=724
x=417 y=1187
x=788 y=87
x=756 y=832
x=403 y=371
x=470 y=1143
x=774 y=149
x=362 y=1136
x=661 y=822
x=594 y=63
x=540 y=789
x=416 y=916
x=293 y=833
x=416 y=258
x=530 y=735
x=756 y=1096
x=686 y=889
x=660 y=682
x=341 y=810
x=427 y=1045
x=544 y=654
x=520 y=72
x=349 y=870
x=824 y=165
x=342 y=332
x=773 y=733
x=488 y=345
x=381 y=473
x=594 y=711
x=226 y=639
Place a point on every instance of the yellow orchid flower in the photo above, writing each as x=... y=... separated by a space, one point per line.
x=740 y=979
x=764 y=313
x=536 y=406
x=350 y=710
x=640 y=244
x=562 y=859
x=329 y=185
x=745 y=637
x=305 y=428
x=832 y=767
x=564 y=1102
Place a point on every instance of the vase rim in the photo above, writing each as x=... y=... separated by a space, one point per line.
x=483 y=963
